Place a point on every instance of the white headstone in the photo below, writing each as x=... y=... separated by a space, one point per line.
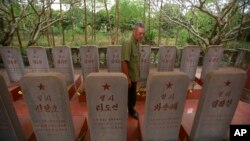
x=219 y=99
x=13 y=63
x=63 y=62
x=10 y=128
x=166 y=95
x=167 y=55
x=48 y=103
x=89 y=60
x=114 y=58
x=212 y=60
x=38 y=59
x=189 y=60
x=145 y=61
x=106 y=95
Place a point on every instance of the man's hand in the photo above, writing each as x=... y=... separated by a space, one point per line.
x=129 y=82
x=125 y=71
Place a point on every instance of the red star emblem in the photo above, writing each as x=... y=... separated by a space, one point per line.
x=169 y=85
x=41 y=86
x=228 y=83
x=106 y=86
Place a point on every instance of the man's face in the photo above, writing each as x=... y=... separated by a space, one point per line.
x=138 y=33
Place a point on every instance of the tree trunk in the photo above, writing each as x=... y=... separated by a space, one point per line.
x=117 y=21
x=17 y=29
x=109 y=22
x=144 y=11
x=159 y=25
x=85 y=23
x=63 y=37
x=94 y=25
x=149 y=15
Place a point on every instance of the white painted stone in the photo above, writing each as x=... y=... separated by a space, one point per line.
x=166 y=95
x=89 y=60
x=189 y=60
x=48 y=103
x=106 y=95
x=38 y=60
x=13 y=63
x=145 y=52
x=167 y=55
x=114 y=58
x=63 y=62
x=219 y=99
x=212 y=60
x=10 y=128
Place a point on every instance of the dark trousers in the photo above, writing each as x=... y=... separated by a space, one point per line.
x=132 y=98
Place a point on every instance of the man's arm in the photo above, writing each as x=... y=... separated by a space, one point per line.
x=125 y=71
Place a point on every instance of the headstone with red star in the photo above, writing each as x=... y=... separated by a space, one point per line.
x=166 y=95
x=13 y=63
x=145 y=61
x=38 y=60
x=189 y=60
x=167 y=55
x=212 y=60
x=106 y=95
x=89 y=60
x=48 y=103
x=10 y=128
x=114 y=58
x=219 y=99
x=63 y=62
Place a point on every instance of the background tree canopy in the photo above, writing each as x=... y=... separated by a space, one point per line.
x=170 y=22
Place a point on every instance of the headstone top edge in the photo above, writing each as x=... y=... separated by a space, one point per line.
x=88 y=46
x=106 y=74
x=174 y=73
x=192 y=46
x=44 y=74
x=164 y=46
x=227 y=71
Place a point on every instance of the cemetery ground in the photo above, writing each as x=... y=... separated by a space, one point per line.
x=78 y=107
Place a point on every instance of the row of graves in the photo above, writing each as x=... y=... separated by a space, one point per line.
x=42 y=104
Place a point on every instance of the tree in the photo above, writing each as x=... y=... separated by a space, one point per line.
x=116 y=21
x=218 y=13
x=159 y=24
x=85 y=23
x=11 y=13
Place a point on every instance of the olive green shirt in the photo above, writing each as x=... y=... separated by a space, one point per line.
x=131 y=54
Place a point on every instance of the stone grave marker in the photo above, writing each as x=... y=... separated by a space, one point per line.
x=212 y=60
x=13 y=63
x=10 y=128
x=166 y=95
x=189 y=60
x=114 y=58
x=38 y=60
x=89 y=60
x=145 y=52
x=63 y=62
x=219 y=99
x=106 y=95
x=48 y=103
x=167 y=55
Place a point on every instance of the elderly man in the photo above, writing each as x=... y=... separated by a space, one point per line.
x=131 y=65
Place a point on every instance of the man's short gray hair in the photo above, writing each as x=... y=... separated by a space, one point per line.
x=139 y=25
